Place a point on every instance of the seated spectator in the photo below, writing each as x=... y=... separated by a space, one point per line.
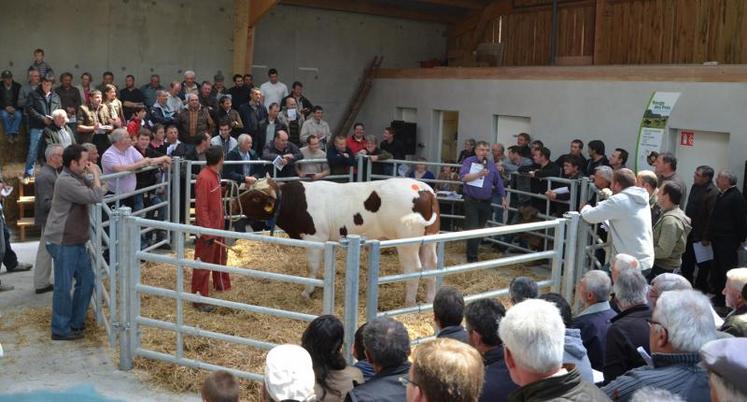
x=239 y=92
x=289 y=375
x=58 y=132
x=726 y=362
x=93 y=153
x=628 y=217
x=448 y=310
x=304 y=105
x=158 y=143
x=242 y=173
x=287 y=152
x=533 y=335
x=227 y=112
x=340 y=158
x=136 y=122
x=387 y=347
x=522 y=288
x=94 y=123
x=207 y=100
x=116 y=110
x=621 y=263
x=574 y=351
x=444 y=370
x=618 y=159
x=483 y=318
x=323 y=340
x=648 y=181
x=224 y=138
x=376 y=154
x=317 y=126
x=70 y=98
x=649 y=394
x=172 y=139
x=421 y=171
x=10 y=108
x=313 y=150
x=32 y=82
x=629 y=329
x=670 y=231
x=734 y=292
x=666 y=282
x=597 y=156
x=221 y=386
x=447 y=173
x=150 y=90
x=161 y=112
x=293 y=119
x=357 y=141
x=359 y=352
x=39 y=106
x=189 y=85
x=469 y=150
x=680 y=325
x=271 y=125
x=85 y=88
x=193 y=121
x=175 y=102
x=592 y=294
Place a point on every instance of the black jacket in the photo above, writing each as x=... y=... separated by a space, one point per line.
x=383 y=387
x=568 y=387
x=456 y=332
x=594 y=327
x=699 y=208
x=498 y=383
x=728 y=217
x=396 y=148
x=39 y=106
x=14 y=90
x=592 y=165
x=236 y=172
x=628 y=331
x=339 y=163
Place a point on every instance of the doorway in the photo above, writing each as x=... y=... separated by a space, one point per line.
x=448 y=126
x=506 y=128
x=695 y=148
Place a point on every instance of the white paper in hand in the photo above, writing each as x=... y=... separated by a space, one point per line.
x=476 y=168
x=292 y=114
x=702 y=253
x=6 y=191
x=278 y=162
x=561 y=190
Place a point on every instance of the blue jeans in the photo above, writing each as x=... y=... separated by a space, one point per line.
x=35 y=135
x=11 y=122
x=70 y=262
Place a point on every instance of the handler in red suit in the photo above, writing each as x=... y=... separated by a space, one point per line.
x=209 y=209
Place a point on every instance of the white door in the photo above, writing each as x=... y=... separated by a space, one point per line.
x=508 y=127
x=695 y=148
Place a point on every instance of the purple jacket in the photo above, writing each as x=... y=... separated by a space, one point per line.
x=492 y=183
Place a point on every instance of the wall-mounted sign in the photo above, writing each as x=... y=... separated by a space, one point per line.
x=653 y=124
x=687 y=138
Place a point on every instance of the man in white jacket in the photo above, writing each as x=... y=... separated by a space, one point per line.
x=628 y=217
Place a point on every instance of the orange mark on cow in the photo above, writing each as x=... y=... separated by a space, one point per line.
x=415 y=187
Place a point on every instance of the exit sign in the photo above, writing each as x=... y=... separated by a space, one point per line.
x=687 y=138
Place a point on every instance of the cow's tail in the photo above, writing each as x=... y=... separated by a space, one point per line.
x=416 y=220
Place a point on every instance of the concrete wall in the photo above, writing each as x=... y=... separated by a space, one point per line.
x=124 y=36
x=339 y=45
x=560 y=110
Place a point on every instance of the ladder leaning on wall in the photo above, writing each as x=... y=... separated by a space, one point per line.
x=359 y=96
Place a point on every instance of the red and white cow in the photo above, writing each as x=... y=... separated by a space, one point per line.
x=322 y=210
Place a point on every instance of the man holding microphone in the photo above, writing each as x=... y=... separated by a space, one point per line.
x=481 y=181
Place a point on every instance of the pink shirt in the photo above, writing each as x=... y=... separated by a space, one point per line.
x=114 y=157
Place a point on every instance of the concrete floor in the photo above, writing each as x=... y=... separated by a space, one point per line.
x=34 y=362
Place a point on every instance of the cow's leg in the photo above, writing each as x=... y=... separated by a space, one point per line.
x=314 y=258
x=410 y=262
x=428 y=261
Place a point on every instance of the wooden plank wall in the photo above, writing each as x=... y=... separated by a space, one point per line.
x=618 y=31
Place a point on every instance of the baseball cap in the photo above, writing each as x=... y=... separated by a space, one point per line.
x=289 y=374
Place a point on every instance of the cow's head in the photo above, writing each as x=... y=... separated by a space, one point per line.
x=259 y=202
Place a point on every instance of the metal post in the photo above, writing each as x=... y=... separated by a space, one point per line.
x=352 y=270
x=97 y=268
x=361 y=158
x=372 y=301
x=329 y=277
x=134 y=281
x=557 y=258
x=179 y=294
x=569 y=265
x=115 y=218
x=440 y=255
x=123 y=249
x=188 y=194
x=369 y=170
x=573 y=203
x=175 y=195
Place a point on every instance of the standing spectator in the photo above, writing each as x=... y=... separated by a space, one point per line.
x=94 y=123
x=577 y=151
x=189 y=153
x=219 y=88
x=224 y=139
x=391 y=144
x=445 y=370
x=304 y=105
x=131 y=97
x=592 y=295
x=629 y=329
x=533 y=336
x=726 y=362
x=39 y=108
x=66 y=234
x=574 y=351
x=85 y=88
x=69 y=97
x=9 y=257
x=40 y=65
x=107 y=78
x=323 y=340
x=116 y=110
x=515 y=161
x=161 y=112
x=288 y=153
x=628 y=217
x=597 y=156
x=289 y=375
x=734 y=292
x=194 y=121
x=666 y=168
x=313 y=150
x=225 y=111
x=151 y=89
x=618 y=159
x=670 y=231
x=726 y=231
x=93 y=153
x=469 y=150
x=254 y=116
x=175 y=102
x=522 y=288
x=33 y=79
x=522 y=141
x=339 y=157
x=545 y=168
x=290 y=117
x=387 y=347
x=221 y=386
x=189 y=85
x=317 y=126
x=150 y=178
x=481 y=182
x=482 y=318
x=448 y=312
x=273 y=90
x=239 y=93
x=10 y=109
x=648 y=181
x=680 y=325
x=572 y=170
x=421 y=171
x=123 y=157
x=249 y=81
x=209 y=214
x=498 y=152
x=699 y=207
x=357 y=141
x=172 y=139
x=58 y=132
x=43 y=192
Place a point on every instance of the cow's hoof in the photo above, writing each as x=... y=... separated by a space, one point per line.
x=306 y=296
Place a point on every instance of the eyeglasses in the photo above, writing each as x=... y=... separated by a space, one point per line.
x=405 y=381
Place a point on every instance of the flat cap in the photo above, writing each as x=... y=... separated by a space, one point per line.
x=728 y=358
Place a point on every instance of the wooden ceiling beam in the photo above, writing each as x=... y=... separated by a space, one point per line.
x=258 y=9
x=373 y=8
x=466 y=4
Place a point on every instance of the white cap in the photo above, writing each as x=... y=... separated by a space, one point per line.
x=289 y=374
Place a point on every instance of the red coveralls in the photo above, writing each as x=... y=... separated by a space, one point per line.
x=209 y=210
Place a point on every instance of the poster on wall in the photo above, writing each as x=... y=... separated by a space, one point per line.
x=653 y=127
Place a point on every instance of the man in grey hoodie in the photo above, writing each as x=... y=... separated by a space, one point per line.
x=670 y=231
